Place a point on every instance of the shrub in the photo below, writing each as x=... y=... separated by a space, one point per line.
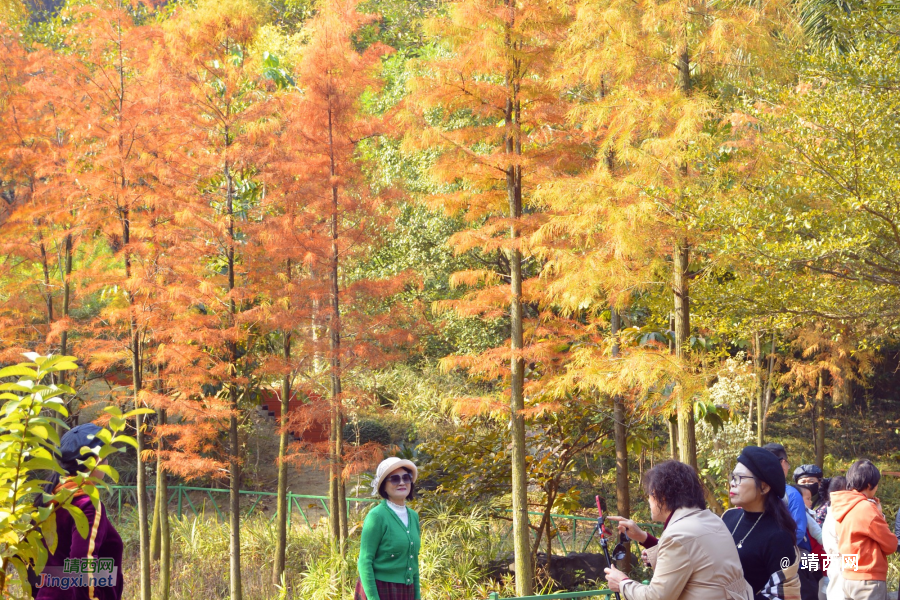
x=365 y=431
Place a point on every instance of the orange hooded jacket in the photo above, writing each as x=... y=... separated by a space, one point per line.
x=862 y=530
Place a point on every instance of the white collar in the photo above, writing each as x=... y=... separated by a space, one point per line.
x=394 y=506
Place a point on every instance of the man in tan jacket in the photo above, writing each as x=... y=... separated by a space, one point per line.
x=695 y=558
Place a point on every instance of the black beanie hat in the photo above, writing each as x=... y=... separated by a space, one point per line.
x=765 y=466
x=80 y=436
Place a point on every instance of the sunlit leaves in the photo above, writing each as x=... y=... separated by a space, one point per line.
x=28 y=442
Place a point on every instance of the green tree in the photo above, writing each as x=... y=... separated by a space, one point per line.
x=28 y=442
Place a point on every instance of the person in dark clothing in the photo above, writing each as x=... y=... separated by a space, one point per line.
x=102 y=542
x=793 y=498
x=762 y=527
x=812 y=478
x=809 y=580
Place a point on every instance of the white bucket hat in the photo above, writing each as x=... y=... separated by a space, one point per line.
x=388 y=466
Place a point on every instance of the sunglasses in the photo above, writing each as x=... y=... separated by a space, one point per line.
x=398 y=479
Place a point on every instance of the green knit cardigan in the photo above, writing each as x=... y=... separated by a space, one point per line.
x=389 y=550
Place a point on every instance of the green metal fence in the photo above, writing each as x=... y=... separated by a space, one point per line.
x=180 y=495
x=567 y=526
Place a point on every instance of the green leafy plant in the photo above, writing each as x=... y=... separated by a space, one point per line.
x=28 y=438
x=365 y=431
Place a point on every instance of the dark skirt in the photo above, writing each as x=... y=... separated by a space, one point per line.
x=388 y=591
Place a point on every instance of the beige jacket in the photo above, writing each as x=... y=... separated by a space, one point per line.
x=696 y=559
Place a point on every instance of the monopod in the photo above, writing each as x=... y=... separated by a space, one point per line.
x=601 y=529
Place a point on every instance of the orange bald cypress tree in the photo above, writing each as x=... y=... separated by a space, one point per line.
x=39 y=232
x=486 y=101
x=217 y=101
x=110 y=110
x=328 y=122
x=282 y=254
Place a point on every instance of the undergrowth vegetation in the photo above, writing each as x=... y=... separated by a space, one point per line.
x=457 y=548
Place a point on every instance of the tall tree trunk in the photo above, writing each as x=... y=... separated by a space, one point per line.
x=155 y=531
x=820 y=423
x=234 y=488
x=521 y=526
x=337 y=490
x=762 y=378
x=162 y=493
x=155 y=539
x=673 y=436
x=282 y=505
x=687 y=436
x=842 y=396
x=672 y=420
x=143 y=528
x=136 y=376
x=623 y=496
x=234 y=499
x=66 y=271
x=48 y=294
x=751 y=409
x=767 y=399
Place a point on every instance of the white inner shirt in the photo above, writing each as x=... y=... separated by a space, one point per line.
x=401 y=512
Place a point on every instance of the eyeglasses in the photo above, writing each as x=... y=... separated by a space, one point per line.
x=398 y=479
x=737 y=480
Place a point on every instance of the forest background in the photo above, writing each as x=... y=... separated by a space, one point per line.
x=534 y=246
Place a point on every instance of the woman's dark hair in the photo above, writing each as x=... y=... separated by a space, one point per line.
x=674 y=485
x=862 y=475
x=412 y=487
x=837 y=483
x=776 y=507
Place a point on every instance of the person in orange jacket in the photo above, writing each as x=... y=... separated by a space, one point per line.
x=863 y=531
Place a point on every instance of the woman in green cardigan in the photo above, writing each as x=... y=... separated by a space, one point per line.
x=389 y=549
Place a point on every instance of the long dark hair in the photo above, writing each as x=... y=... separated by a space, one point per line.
x=776 y=507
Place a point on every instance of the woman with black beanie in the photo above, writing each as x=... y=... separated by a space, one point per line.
x=102 y=547
x=762 y=527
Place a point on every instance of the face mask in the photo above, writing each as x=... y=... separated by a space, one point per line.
x=812 y=487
